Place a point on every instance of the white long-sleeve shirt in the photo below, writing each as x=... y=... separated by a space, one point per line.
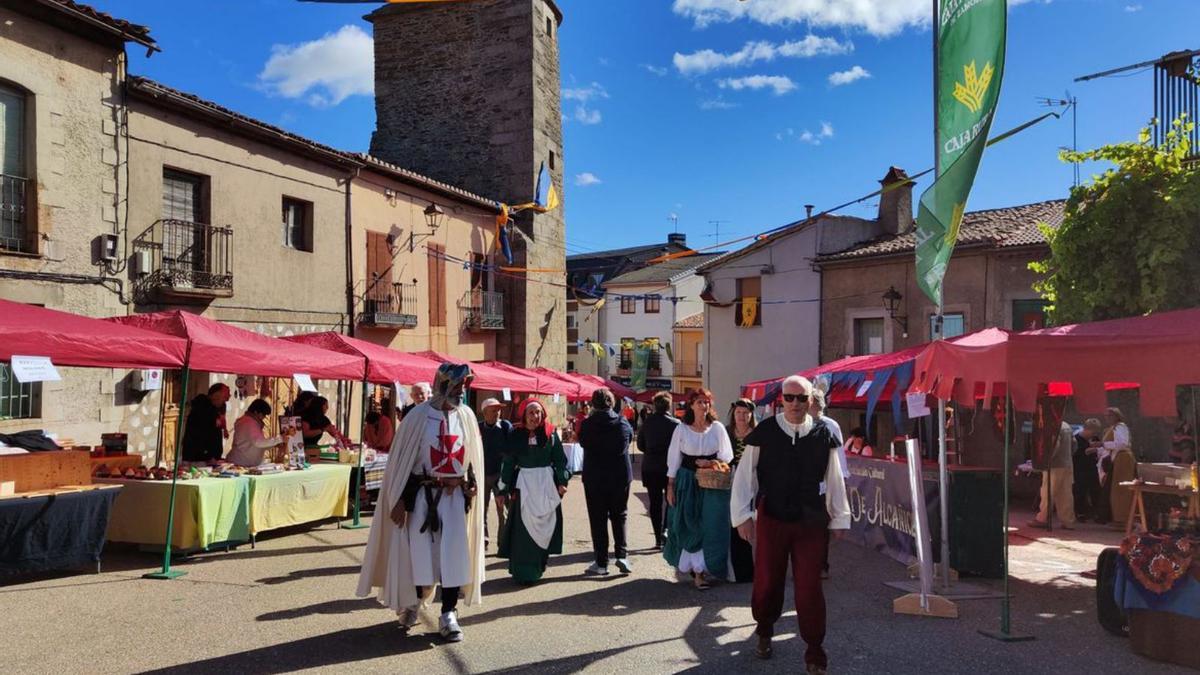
x=687 y=441
x=745 y=482
x=1120 y=439
x=250 y=444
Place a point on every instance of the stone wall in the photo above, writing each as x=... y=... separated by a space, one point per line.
x=469 y=94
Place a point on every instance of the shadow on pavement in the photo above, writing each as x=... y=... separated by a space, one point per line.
x=331 y=607
x=310 y=573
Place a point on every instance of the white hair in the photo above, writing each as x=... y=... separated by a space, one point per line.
x=423 y=386
x=817 y=397
x=796 y=380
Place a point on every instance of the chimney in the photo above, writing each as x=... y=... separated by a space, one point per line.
x=677 y=238
x=808 y=211
x=895 y=205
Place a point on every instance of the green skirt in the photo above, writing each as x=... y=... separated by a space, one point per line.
x=699 y=521
x=526 y=560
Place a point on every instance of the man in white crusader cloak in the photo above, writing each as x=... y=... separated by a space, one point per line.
x=428 y=531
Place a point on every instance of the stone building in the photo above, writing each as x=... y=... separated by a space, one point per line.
x=688 y=367
x=468 y=93
x=64 y=227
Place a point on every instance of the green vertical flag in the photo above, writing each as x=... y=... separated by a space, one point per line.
x=971 y=36
x=641 y=363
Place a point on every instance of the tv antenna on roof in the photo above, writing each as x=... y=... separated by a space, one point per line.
x=674 y=218
x=1071 y=103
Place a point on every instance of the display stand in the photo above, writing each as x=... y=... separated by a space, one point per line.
x=924 y=603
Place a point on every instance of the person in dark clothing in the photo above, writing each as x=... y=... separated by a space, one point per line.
x=1086 y=487
x=418 y=393
x=495 y=432
x=741 y=423
x=300 y=404
x=607 y=473
x=314 y=424
x=653 y=439
x=203 y=432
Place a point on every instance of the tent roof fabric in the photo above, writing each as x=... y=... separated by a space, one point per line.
x=384 y=365
x=1159 y=352
x=221 y=348
x=488 y=376
x=73 y=340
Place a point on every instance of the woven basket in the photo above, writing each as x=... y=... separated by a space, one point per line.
x=714 y=480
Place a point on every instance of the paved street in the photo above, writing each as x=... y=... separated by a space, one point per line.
x=288 y=605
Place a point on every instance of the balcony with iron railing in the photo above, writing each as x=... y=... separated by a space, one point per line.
x=179 y=258
x=388 y=305
x=14 y=234
x=482 y=310
x=689 y=369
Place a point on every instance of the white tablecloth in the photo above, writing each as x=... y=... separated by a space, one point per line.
x=574 y=452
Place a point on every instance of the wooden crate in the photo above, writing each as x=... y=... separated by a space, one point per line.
x=43 y=470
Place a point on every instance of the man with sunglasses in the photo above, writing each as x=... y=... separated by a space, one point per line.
x=787 y=492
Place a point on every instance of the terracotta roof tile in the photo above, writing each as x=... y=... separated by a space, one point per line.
x=693 y=321
x=994 y=228
x=132 y=31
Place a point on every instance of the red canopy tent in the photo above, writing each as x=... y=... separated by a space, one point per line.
x=619 y=390
x=488 y=376
x=221 y=348
x=1157 y=352
x=384 y=365
x=575 y=389
x=73 y=340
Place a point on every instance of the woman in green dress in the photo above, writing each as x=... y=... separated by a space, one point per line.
x=533 y=479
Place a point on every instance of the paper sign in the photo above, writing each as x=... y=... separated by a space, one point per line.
x=305 y=382
x=862 y=390
x=507 y=394
x=34 y=369
x=557 y=398
x=916 y=405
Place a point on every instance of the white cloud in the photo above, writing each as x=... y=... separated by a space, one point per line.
x=587 y=178
x=780 y=84
x=586 y=115
x=1133 y=8
x=707 y=60
x=806 y=136
x=877 y=17
x=656 y=70
x=826 y=130
x=591 y=92
x=325 y=71
x=603 y=60
x=847 y=76
x=717 y=103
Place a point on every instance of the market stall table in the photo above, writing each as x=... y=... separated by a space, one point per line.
x=209 y=512
x=54 y=529
x=295 y=497
x=117 y=461
x=1138 y=510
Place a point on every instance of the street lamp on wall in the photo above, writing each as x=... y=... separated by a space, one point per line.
x=433 y=220
x=891 y=302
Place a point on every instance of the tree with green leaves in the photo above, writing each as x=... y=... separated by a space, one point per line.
x=1129 y=243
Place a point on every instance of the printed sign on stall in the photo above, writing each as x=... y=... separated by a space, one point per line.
x=34 y=369
x=916 y=405
x=304 y=381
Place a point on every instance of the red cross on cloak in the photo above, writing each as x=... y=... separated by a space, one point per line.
x=450 y=457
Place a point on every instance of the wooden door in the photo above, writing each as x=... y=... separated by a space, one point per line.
x=437 y=285
x=170 y=423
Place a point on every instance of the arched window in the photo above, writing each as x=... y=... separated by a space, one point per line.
x=13 y=170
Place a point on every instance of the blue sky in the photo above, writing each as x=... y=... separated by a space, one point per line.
x=711 y=110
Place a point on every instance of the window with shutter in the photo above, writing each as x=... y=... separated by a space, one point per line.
x=748 y=310
x=297 y=224
x=14 y=183
x=437 y=285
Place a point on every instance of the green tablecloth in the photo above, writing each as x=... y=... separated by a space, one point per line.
x=207 y=511
x=295 y=497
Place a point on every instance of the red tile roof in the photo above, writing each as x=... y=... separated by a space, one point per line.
x=127 y=29
x=693 y=321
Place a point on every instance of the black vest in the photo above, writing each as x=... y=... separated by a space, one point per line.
x=790 y=475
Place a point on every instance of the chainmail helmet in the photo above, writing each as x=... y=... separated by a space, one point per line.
x=448 y=376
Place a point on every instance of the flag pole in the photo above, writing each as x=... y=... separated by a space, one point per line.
x=939 y=321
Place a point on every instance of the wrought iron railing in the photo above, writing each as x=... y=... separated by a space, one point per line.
x=483 y=310
x=13 y=224
x=387 y=304
x=186 y=258
x=689 y=369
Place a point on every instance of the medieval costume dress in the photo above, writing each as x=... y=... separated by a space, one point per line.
x=435 y=458
x=531 y=472
x=789 y=481
x=741 y=553
x=698 y=524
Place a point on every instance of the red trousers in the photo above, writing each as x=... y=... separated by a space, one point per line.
x=776 y=540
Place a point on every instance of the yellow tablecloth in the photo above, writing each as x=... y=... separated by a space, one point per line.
x=207 y=511
x=296 y=497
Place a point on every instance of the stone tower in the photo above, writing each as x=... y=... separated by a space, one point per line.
x=469 y=93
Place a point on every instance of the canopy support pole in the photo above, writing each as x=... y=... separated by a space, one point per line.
x=1005 y=634
x=167 y=572
x=357 y=523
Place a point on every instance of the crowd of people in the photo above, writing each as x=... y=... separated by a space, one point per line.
x=1084 y=472
x=785 y=492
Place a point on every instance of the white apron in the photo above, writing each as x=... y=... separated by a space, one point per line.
x=539 y=503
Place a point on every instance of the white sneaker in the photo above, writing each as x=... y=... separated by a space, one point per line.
x=596 y=570
x=448 y=626
x=409 y=618
x=624 y=566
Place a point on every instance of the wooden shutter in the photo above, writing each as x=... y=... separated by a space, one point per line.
x=437 y=285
